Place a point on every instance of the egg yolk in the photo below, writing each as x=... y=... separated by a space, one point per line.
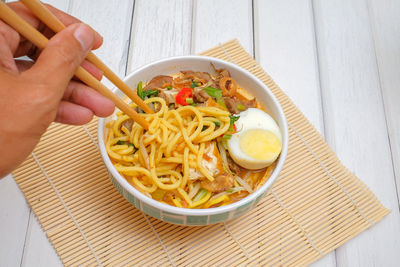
x=260 y=144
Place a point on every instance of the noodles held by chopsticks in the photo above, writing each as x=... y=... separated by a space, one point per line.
x=159 y=159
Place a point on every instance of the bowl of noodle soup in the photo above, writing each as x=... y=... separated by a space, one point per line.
x=192 y=167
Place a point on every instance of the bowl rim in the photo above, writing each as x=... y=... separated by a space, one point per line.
x=209 y=211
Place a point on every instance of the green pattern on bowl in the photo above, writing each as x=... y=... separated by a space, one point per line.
x=177 y=218
x=216 y=218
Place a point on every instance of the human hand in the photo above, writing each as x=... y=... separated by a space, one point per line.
x=34 y=94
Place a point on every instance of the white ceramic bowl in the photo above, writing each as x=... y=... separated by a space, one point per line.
x=184 y=216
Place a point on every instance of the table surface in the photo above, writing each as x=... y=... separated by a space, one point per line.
x=338 y=60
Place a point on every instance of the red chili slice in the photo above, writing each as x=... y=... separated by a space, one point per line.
x=182 y=95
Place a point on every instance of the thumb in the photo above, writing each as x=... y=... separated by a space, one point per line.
x=63 y=54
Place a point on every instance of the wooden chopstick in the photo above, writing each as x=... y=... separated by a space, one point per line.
x=48 y=18
x=34 y=36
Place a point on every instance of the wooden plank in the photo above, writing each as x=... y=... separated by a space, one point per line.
x=217 y=22
x=38 y=250
x=113 y=22
x=160 y=29
x=286 y=49
x=355 y=121
x=14 y=217
x=60 y=4
x=385 y=22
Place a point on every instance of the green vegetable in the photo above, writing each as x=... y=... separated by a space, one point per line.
x=121 y=142
x=169 y=87
x=139 y=90
x=217 y=123
x=202 y=193
x=213 y=92
x=189 y=100
x=143 y=94
x=194 y=84
x=150 y=93
x=233 y=119
x=131 y=145
x=221 y=102
x=240 y=107
x=226 y=136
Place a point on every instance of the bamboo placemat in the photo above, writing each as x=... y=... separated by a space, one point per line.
x=315 y=206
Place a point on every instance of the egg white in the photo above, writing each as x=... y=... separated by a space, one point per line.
x=252 y=119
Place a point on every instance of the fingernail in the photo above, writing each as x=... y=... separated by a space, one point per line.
x=85 y=36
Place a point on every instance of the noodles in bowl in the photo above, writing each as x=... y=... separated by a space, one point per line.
x=183 y=159
x=210 y=151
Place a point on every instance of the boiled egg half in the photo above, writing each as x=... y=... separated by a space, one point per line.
x=257 y=142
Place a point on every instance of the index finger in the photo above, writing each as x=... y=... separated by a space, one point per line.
x=22 y=47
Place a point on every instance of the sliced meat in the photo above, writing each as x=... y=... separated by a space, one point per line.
x=228 y=86
x=166 y=97
x=221 y=72
x=181 y=83
x=233 y=166
x=200 y=96
x=231 y=103
x=211 y=103
x=224 y=73
x=249 y=103
x=221 y=183
x=160 y=81
x=203 y=77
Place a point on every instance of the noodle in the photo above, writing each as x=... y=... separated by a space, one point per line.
x=171 y=160
x=158 y=145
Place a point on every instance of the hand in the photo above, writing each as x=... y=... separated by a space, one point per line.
x=33 y=94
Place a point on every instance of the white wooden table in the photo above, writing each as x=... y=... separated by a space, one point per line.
x=338 y=60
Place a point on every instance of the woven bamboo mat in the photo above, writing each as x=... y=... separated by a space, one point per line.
x=315 y=206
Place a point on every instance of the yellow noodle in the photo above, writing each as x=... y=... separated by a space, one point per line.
x=141 y=186
x=185 y=196
x=169 y=125
x=164 y=167
x=117 y=125
x=185 y=167
x=177 y=202
x=174 y=144
x=119 y=147
x=199 y=118
x=200 y=166
x=126 y=151
x=152 y=155
x=125 y=130
x=132 y=158
x=162 y=185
